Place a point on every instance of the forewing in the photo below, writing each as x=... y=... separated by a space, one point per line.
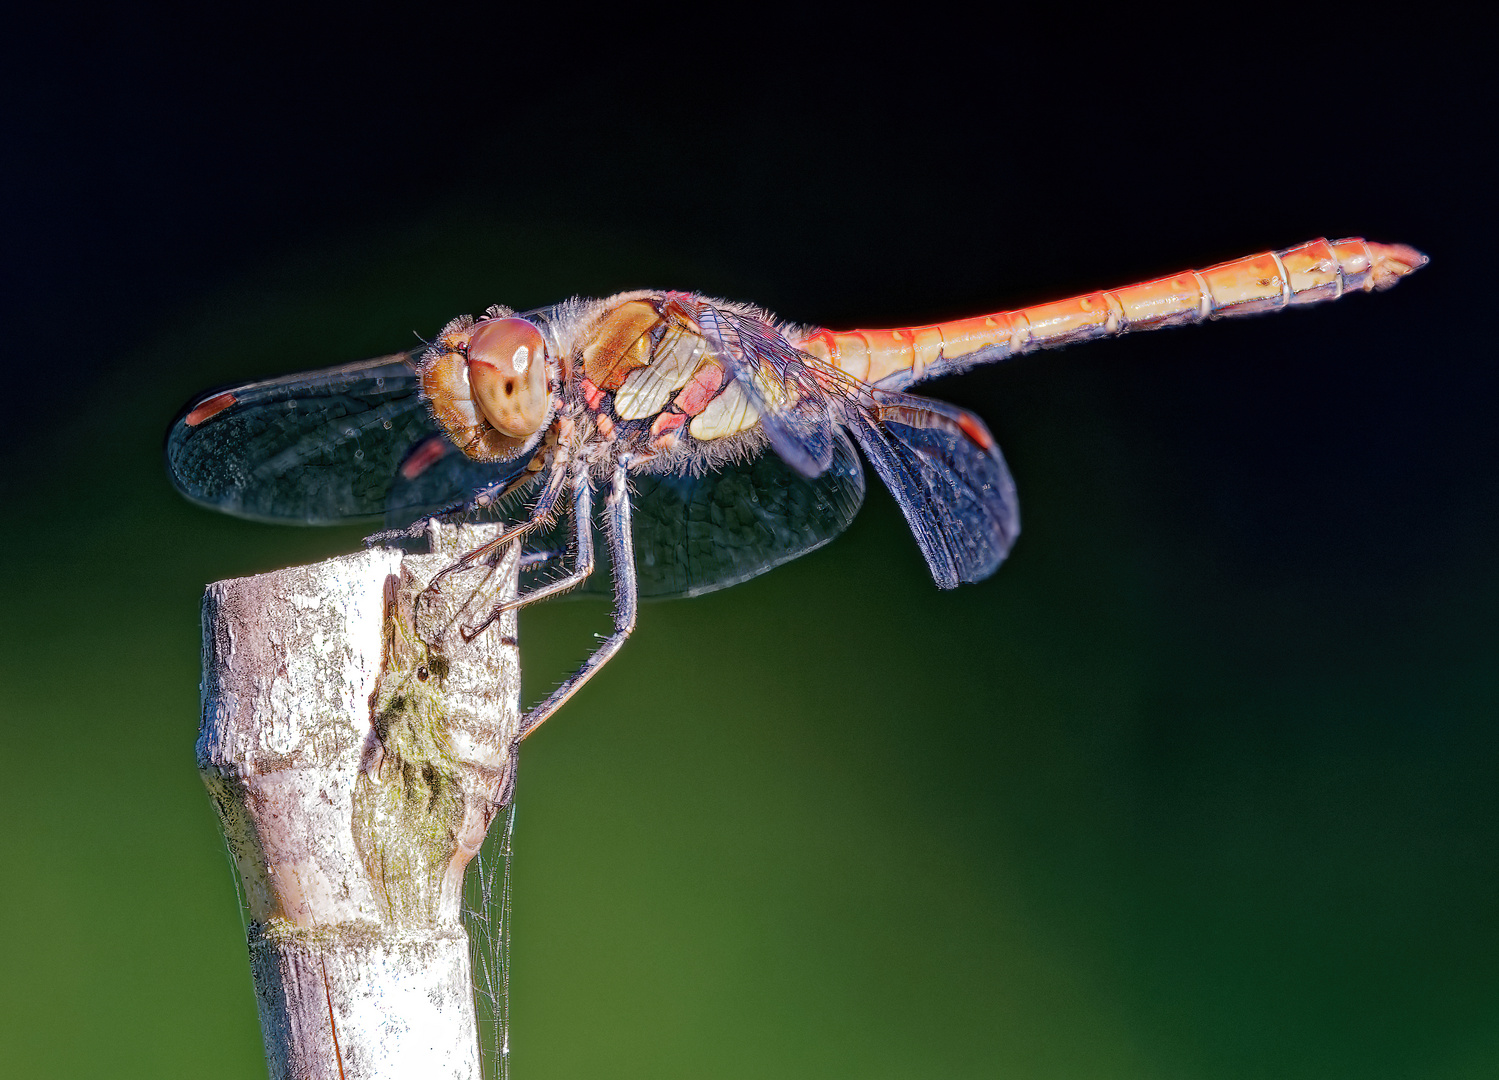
x=795 y=413
x=697 y=534
x=436 y=477
x=315 y=448
x=947 y=474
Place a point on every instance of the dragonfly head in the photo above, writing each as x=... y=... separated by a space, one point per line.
x=489 y=385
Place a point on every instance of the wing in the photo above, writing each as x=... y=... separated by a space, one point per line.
x=435 y=476
x=947 y=474
x=697 y=534
x=940 y=462
x=794 y=410
x=315 y=448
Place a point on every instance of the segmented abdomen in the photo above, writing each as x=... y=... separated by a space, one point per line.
x=1307 y=274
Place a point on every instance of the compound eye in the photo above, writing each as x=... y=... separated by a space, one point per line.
x=507 y=370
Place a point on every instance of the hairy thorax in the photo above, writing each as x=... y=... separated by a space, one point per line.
x=640 y=379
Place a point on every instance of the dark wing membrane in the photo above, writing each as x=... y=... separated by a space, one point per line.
x=314 y=448
x=948 y=476
x=696 y=534
x=436 y=476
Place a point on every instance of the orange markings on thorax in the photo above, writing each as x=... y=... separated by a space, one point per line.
x=592 y=395
x=667 y=421
x=621 y=344
x=704 y=385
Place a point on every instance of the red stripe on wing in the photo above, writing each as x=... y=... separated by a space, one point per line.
x=209 y=409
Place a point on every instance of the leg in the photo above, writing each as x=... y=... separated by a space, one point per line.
x=546 y=505
x=458 y=511
x=622 y=554
x=582 y=515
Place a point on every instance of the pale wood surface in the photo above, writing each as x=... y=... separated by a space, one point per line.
x=356 y=750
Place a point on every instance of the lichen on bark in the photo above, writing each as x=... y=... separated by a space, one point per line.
x=408 y=801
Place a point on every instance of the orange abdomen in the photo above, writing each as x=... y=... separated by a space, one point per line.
x=1307 y=274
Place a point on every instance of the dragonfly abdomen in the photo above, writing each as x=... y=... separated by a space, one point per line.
x=1307 y=274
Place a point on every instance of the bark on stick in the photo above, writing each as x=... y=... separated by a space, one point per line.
x=357 y=749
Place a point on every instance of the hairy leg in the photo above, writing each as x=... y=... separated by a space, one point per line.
x=626 y=597
x=582 y=518
x=541 y=512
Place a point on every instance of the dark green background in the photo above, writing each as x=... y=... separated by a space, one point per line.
x=1200 y=784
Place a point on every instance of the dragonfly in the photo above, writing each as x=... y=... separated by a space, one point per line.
x=721 y=438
